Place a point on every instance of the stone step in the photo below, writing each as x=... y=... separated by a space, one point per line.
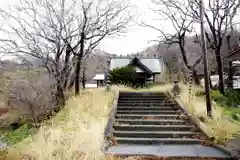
x=140 y=98
x=146 y=104
x=153 y=119
x=144 y=101
x=170 y=151
x=143 y=98
x=151 y=122
x=155 y=141
x=155 y=127
x=138 y=108
x=148 y=112
x=149 y=116
x=142 y=93
x=154 y=134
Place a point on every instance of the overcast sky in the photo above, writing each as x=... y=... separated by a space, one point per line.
x=136 y=39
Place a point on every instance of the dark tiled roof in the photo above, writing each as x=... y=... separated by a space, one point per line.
x=235 y=51
x=136 y=61
x=154 y=64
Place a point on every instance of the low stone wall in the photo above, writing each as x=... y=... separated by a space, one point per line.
x=111 y=120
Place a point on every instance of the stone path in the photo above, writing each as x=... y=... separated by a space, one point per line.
x=154 y=125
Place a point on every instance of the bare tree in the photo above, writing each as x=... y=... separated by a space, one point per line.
x=98 y=20
x=84 y=78
x=219 y=15
x=40 y=29
x=172 y=10
x=57 y=31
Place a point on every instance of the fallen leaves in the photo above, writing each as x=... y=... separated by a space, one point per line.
x=151 y=118
x=207 y=143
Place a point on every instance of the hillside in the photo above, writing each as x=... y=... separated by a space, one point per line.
x=193 y=53
x=97 y=63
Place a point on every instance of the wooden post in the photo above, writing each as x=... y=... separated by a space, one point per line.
x=230 y=65
x=204 y=50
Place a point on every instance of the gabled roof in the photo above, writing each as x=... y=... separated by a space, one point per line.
x=153 y=64
x=136 y=61
x=234 y=54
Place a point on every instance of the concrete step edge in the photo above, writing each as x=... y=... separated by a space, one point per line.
x=147 y=111
x=157 y=139
x=149 y=115
x=146 y=120
x=158 y=132
x=152 y=126
x=142 y=108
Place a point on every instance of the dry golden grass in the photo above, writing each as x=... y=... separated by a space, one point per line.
x=77 y=132
x=78 y=129
x=220 y=126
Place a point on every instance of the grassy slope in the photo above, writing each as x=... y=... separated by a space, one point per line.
x=216 y=126
x=77 y=132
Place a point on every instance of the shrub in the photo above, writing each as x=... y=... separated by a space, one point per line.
x=236 y=116
x=123 y=75
x=233 y=97
x=219 y=98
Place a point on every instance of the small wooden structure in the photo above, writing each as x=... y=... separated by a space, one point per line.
x=234 y=55
x=100 y=79
x=147 y=69
x=234 y=58
x=142 y=72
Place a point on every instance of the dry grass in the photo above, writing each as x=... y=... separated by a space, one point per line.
x=221 y=127
x=78 y=129
x=77 y=132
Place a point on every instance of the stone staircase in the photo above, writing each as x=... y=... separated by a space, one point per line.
x=152 y=124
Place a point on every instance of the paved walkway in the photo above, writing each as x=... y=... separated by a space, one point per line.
x=168 y=151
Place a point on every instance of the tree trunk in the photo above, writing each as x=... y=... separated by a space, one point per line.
x=78 y=67
x=65 y=71
x=83 y=78
x=77 y=77
x=72 y=80
x=195 y=78
x=220 y=72
x=83 y=83
x=60 y=100
x=230 y=72
x=59 y=97
x=65 y=84
x=230 y=75
x=210 y=82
